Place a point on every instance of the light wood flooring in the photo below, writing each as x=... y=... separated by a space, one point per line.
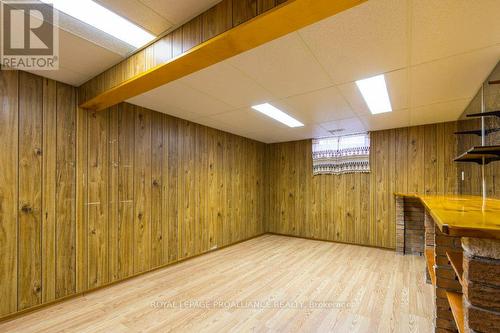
x=267 y=284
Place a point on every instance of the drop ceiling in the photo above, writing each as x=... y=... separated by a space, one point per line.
x=86 y=52
x=435 y=55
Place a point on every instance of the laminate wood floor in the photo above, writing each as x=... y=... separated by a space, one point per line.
x=267 y=284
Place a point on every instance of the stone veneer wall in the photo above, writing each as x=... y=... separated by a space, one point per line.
x=446 y=280
x=400 y=225
x=409 y=226
x=414 y=226
x=481 y=279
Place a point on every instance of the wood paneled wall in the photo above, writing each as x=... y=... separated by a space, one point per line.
x=472 y=183
x=359 y=208
x=220 y=18
x=87 y=199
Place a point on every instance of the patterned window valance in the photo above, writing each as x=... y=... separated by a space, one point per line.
x=341 y=154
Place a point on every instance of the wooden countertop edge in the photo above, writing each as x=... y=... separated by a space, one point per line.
x=477 y=232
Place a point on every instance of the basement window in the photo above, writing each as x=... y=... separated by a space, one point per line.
x=341 y=154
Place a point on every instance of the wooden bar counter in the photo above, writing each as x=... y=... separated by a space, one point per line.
x=462 y=250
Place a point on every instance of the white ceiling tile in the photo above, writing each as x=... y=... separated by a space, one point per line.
x=364 y=41
x=397 y=86
x=152 y=104
x=64 y=75
x=345 y=126
x=248 y=120
x=448 y=27
x=457 y=77
x=277 y=135
x=387 y=120
x=87 y=32
x=437 y=113
x=182 y=97
x=83 y=56
x=295 y=72
x=284 y=66
x=219 y=124
x=179 y=11
x=318 y=106
x=138 y=13
x=229 y=85
x=306 y=132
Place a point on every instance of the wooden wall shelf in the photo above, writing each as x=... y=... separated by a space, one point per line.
x=485 y=114
x=456 y=260
x=429 y=258
x=456 y=305
x=479 y=132
x=476 y=155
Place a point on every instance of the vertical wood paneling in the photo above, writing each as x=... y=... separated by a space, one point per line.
x=80 y=194
x=172 y=125
x=98 y=198
x=192 y=33
x=221 y=190
x=229 y=165
x=125 y=232
x=236 y=185
x=202 y=232
x=390 y=227
x=165 y=205
x=49 y=170
x=450 y=152
x=142 y=190
x=430 y=159
x=81 y=200
x=334 y=221
x=162 y=50
x=65 y=192
x=30 y=190
x=212 y=188
x=416 y=155
x=109 y=194
x=217 y=19
x=357 y=208
x=157 y=233
x=401 y=172
x=114 y=176
x=365 y=204
x=177 y=42
x=189 y=190
x=265 y=5
x=243 y=10
x=472 y=183
x=8 y=190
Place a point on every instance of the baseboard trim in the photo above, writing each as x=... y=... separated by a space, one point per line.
x=331 y=241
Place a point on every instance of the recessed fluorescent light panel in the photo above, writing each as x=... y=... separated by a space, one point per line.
x=374 y=91
x=103 y=19
x=277 y=114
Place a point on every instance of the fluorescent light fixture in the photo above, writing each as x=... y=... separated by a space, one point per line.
x=103 y=19
x=277 y=114
x=374 y=91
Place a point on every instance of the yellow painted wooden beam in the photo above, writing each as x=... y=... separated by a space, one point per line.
x=289 y=17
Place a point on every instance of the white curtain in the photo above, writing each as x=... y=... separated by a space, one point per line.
x=341 y=154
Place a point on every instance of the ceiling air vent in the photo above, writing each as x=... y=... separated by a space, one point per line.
x=336 y=131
